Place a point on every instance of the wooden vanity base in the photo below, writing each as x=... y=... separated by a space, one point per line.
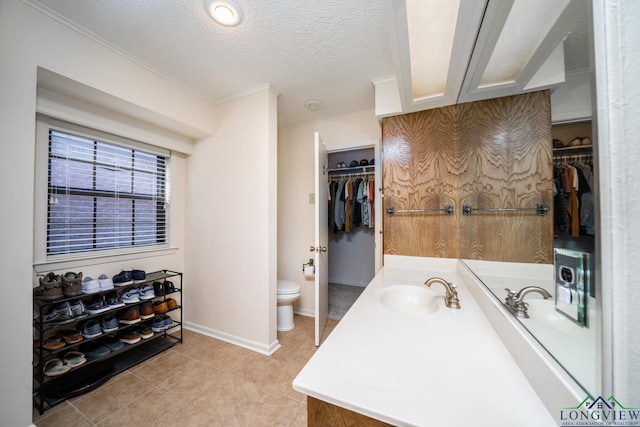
x=322 y=414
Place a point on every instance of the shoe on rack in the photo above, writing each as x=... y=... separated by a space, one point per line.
x=130 y=336
x=168 y=321
x=90 y=286
x=160 y=307
x=98 y=305
x=71 y=336
x=109 y=323
x=73 y=359
x=95 y=349
x=113 y=343
x=146 y=292
x=50 y=288
x=138 y=276
x=60 y=313
x=146 y=310
x=168 y=287
x=158 y=289
x=55 y=367
x=78 y=309
x=71 y=284
x=123 y=278
x=132 y=296
x=106 y=284
x=54 y=342
x=114 y=300
x=91 y=329
x=130 y=316
x=158 y=324
x=146 y=331
x=172 y=304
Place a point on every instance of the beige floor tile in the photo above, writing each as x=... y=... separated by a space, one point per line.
x=280 y=381
x=36 y=414
x=300 y=417
x=265 y=410
x=202 y=382
x=110 y=397
x=149 y=409
x=162 y=366
x=257 y=368
x=189 y=382
x=187 y=416
x=224 y=356
x=221 y=399
x=63 y=415
x=195 y=346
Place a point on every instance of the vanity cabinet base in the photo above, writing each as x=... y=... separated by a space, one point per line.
x=322 y=414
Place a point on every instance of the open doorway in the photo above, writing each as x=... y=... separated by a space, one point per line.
x=351 y=227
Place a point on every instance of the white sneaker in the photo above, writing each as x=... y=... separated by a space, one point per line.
x=90 y=286
x=106 y=284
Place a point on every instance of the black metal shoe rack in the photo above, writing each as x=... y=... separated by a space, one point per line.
x=49 y=391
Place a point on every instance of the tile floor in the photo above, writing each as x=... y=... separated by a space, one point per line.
x=202 y=382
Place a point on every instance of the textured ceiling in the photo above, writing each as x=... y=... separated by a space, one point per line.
x=576 y=46
x=329 y=50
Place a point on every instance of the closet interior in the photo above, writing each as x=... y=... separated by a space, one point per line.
x=351 y=226
x=574 y=186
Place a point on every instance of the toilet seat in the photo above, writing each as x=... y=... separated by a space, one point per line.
x=286 y=287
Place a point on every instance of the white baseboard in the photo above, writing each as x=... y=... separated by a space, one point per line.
x=233 y=339
x=304 y=312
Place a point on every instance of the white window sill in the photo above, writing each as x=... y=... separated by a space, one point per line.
x=97 y=259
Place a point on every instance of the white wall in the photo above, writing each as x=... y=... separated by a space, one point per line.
x=571 y=100
x=296 y=182
x=29 y=39
x=617 y=52
x=231 y=211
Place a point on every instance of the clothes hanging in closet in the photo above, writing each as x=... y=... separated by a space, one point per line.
x=350 y=203
x=573 y=198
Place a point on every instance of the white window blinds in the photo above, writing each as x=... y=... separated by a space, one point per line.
x=103 y=196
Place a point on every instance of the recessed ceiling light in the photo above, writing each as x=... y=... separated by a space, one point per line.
x=313 y=105
x=224 y=12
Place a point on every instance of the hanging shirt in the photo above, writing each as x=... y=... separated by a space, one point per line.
x=339 y=206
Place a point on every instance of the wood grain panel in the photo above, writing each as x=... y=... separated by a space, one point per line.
x=494 y=153
x=419 y=155
x=505 y=161
x=323 y=414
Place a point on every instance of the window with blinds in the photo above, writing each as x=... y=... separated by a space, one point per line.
x=103 y=196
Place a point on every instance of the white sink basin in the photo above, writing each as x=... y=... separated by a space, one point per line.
x=409 y=299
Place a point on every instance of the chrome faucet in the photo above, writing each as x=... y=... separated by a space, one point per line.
x=515 y=300
x=452 y=295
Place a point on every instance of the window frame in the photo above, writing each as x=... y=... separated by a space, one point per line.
x=43 y=260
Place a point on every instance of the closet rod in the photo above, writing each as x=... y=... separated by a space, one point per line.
x=351 y=175
x=541 y=209
x=448 y=210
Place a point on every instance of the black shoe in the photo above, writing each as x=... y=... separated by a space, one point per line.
x=168 y=287
x=158 y=289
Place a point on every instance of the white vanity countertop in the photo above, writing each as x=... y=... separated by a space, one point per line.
x=449 y=368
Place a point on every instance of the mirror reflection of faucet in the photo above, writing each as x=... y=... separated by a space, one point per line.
x=515 y=300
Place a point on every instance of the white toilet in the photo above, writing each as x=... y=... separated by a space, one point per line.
x=288 y=293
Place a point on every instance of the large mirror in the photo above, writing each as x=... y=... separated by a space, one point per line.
x=565 y=322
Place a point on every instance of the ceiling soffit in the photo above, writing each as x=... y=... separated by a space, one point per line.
x=500 y=48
